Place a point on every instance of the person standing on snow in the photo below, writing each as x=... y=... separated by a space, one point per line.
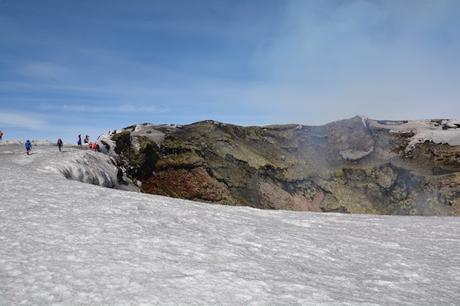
x=59 y=144
x=79 y=140
x=1 y=135
x=28 y=146
x=86 y=140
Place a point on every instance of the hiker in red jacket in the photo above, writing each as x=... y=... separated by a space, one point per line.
x=59 y=144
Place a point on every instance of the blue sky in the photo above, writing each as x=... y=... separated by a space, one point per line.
x=69 y=67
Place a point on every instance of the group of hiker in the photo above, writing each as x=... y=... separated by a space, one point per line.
x=86 y=140
x=91 y=145
x=59 y=143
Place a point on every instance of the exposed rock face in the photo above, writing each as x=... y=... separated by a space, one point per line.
x=355 y=165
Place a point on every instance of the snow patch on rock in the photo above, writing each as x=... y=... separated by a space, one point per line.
x=450 y=137
x=452 y=123
x=445 y=131
x=364 y=121
x=106 y=144
x=149 y=131
x=354 y=155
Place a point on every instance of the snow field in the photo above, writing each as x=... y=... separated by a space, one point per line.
x=64 y=242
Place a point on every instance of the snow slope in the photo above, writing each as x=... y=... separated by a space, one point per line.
x=76 y=163
x=64 y=242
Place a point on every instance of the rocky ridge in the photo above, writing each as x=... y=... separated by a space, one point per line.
x=356 y=165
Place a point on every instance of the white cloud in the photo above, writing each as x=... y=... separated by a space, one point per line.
x=22 y=120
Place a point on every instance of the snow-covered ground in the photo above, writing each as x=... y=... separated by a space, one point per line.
x=76 y=163
x=65 y=242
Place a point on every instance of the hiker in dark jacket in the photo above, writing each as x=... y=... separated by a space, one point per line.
x=79 y=140
x=59 y=144
x=28 y=146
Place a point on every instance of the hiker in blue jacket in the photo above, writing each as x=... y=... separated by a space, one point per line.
x=79 y=140
x=28 y=146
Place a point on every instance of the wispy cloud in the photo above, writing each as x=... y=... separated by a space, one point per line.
x=108 y=108
x=22 y=120
x=44 y=70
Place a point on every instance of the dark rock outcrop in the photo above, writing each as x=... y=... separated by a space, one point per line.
x=354 y=165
